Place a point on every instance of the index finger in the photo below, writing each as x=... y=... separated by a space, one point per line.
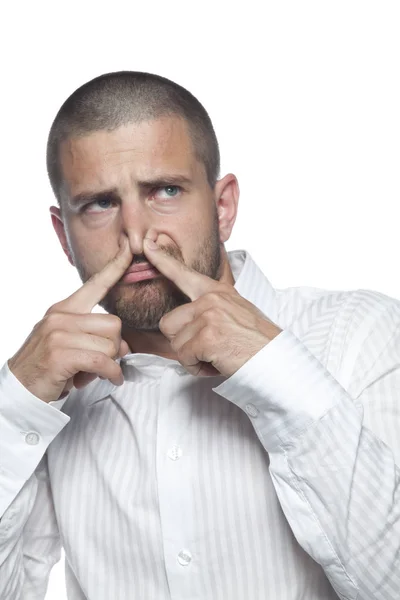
x=96 y=287
x=190 y=282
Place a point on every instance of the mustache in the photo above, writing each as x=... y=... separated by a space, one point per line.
x=139 y=259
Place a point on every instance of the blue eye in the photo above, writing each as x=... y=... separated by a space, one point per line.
x=171 y=190
x=166 y=192
x=99 y=204
x=102 y=201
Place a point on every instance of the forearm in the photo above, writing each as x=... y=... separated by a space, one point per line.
x=29 y=541
x=338 y=484
x=339 y=488
x=27 y=427
x=12 y=573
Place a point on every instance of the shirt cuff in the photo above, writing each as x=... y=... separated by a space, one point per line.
x=27 y=427
x=284 y=389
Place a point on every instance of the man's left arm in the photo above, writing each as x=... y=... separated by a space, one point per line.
x=337 y=480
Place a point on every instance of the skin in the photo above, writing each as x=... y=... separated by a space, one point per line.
x=71 y=346
x=193 y=229
x=190 y=312
x=126 y=183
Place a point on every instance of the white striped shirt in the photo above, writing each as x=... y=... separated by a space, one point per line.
x=279 y=482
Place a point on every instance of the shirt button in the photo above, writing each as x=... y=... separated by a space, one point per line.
x=184 y=558
x=252 y=410
x=32 y=438
x=175 y=452
x=181 y=371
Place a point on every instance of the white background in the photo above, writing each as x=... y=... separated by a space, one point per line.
x=305 y=100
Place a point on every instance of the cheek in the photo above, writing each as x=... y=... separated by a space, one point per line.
x=108 y=219
x=199 y=228
x=86 y=241
x=91 y=252
x=165 y=209
x=172 y=240
x=185 y=238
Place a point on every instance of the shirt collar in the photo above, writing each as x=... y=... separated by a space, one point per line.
x=250 y=282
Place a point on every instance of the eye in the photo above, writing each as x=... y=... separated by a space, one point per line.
x=167 y=192
x=101 y=204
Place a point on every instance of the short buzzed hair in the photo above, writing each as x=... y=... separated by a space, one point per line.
x=115 y=99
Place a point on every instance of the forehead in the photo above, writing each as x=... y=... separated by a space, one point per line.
x=135 y=151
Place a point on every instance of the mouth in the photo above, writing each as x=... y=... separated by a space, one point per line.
x=140 y=272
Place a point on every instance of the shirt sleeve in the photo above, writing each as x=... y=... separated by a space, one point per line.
x=332 y=455
x=29 y=539
x=27 y=427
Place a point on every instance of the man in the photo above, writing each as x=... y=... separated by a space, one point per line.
x=208 y=437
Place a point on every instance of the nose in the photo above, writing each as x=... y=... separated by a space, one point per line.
x=136 y=222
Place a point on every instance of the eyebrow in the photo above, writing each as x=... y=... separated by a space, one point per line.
x=145 y=185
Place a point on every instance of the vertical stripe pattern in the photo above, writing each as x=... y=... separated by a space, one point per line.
x=278 y=483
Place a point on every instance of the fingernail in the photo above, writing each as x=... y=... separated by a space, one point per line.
x=150 y=244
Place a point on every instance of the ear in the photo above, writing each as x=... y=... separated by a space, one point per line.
x=58 y=224
x=226 y=198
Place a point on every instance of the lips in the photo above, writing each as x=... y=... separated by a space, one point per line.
x=140 y=272
x=140 y=267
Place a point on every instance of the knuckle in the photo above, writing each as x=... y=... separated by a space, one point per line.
x=112 y=348
x=55 y=338
x=215 y=298
x=52 y=320
x=207 y=336
x=56 y=358
x=210 y=313
x=51 y=310
x=57 y=307
x=116 y=322
x=213 y=316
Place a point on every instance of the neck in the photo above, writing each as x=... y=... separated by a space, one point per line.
x=154 y=342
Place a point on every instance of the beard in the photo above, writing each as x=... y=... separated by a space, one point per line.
x=141 y=305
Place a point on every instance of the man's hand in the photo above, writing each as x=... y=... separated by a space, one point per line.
x=219 y=330
x=70 y=346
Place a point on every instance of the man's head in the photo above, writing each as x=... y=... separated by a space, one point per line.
x=131 y=153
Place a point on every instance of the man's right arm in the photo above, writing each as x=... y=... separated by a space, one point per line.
x=29 y=540
x=68 y=347
x=27 y=427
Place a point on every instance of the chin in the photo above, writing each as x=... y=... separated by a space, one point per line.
x=141 y=305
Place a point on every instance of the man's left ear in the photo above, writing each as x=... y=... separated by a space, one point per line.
x=227 y=199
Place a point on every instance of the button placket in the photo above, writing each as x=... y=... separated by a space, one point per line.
x=184 y=558
x=173 y=472
x=175 y=452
